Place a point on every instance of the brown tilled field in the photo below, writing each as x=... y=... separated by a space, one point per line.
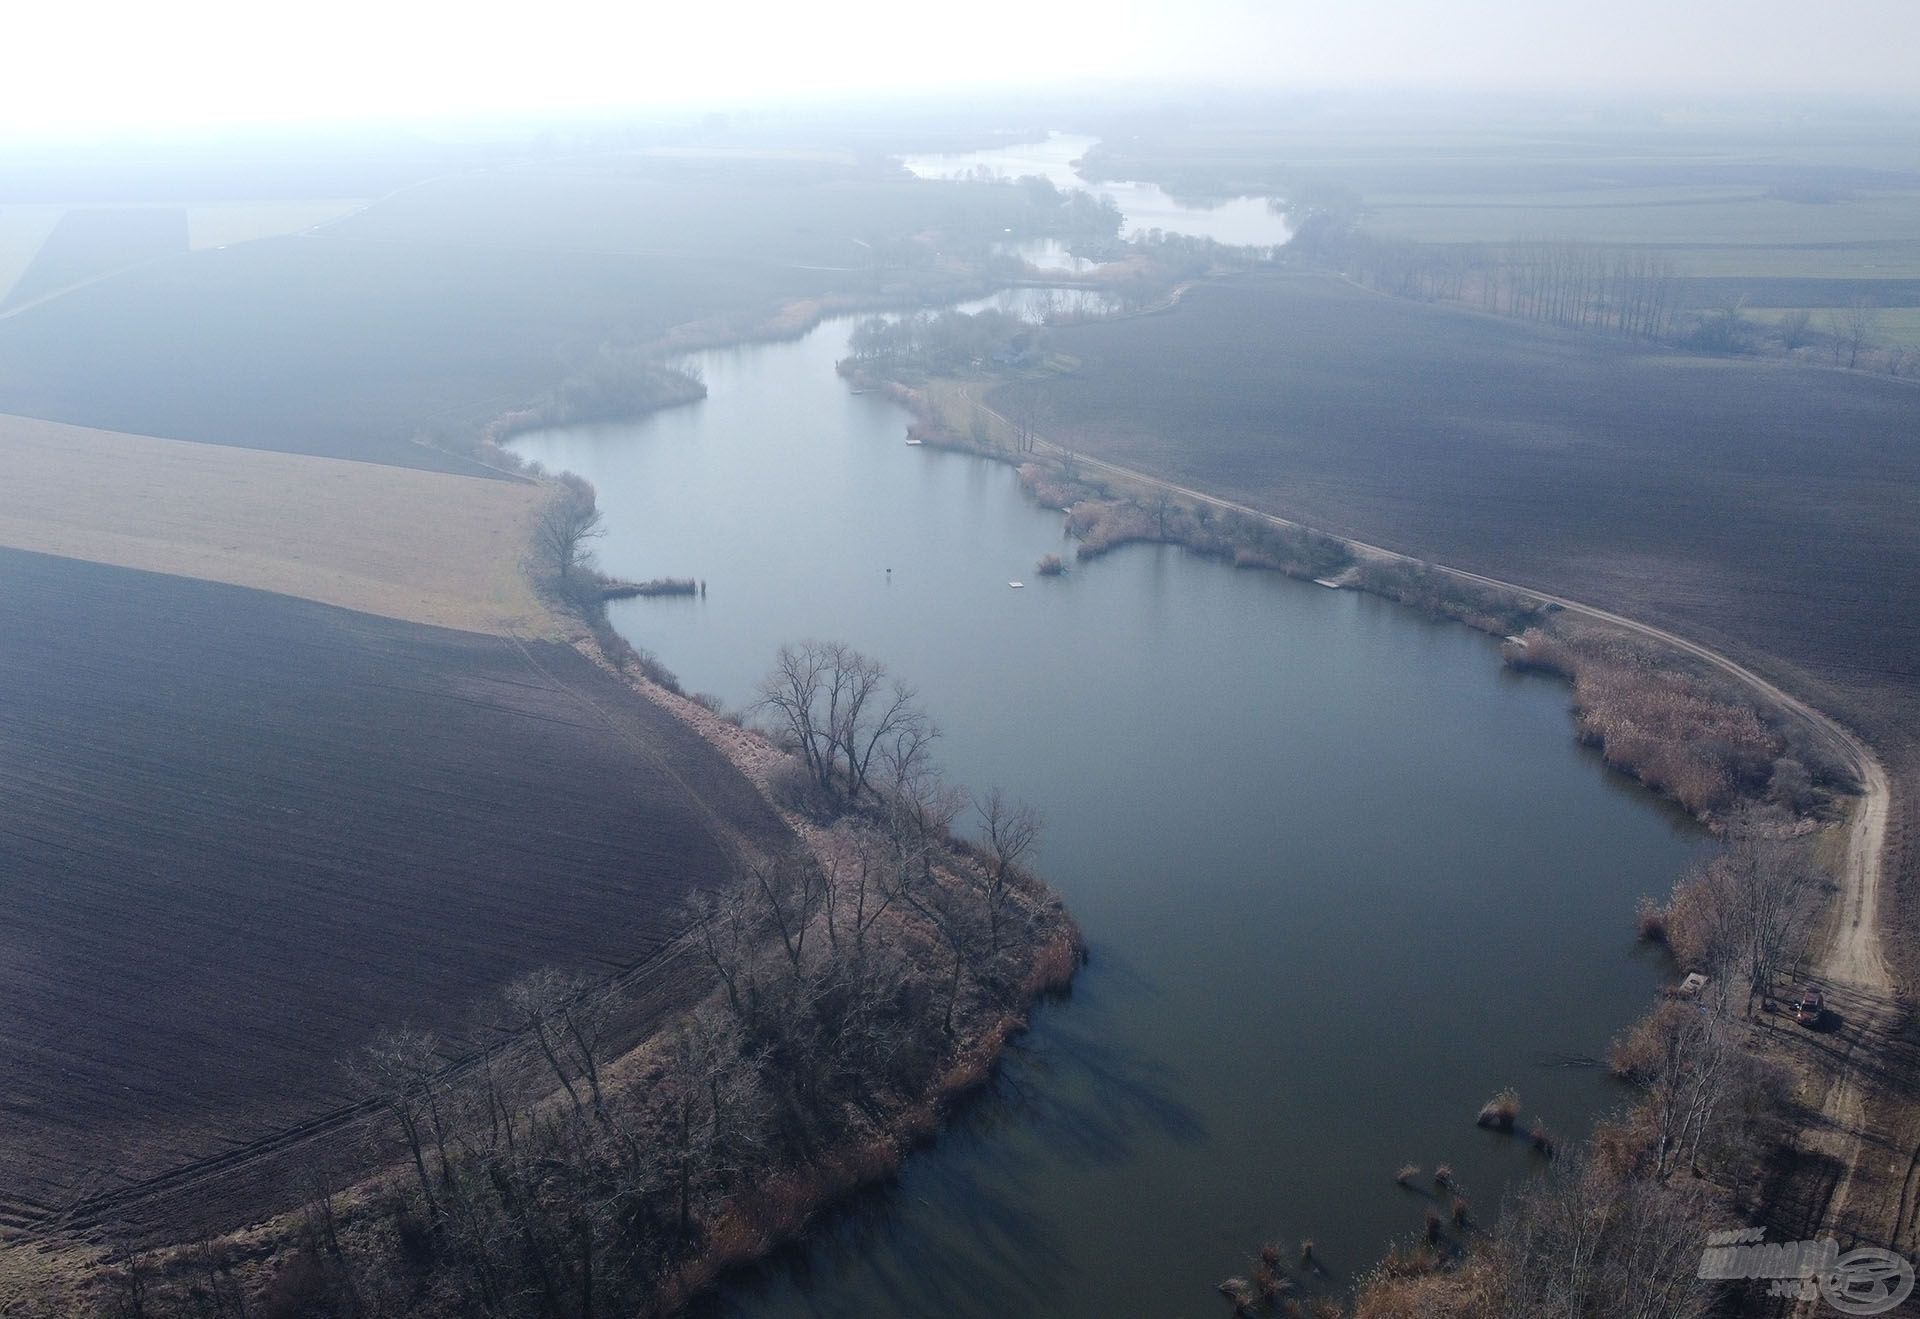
x=239 y=833
x=426 y=546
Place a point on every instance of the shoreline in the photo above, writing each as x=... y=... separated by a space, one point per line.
x=1845 y=945
x=1463 y=608
x=745 y=1224
x=781 y=1212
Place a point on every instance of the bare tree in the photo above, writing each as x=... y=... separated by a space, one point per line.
x=1796 y=327
x=568 y=521
x=1160 y=505
x=1851 y=327
x=724 y=925
x=841 y=712
x=1011 y=831
x=1689 y=1077
x=707 y=1106
x=568 y=1018
x=858 y=890
x=400 y=1068
x=1767 y=903
x=793 y=694
x=1577 y=1242
x=792 y=892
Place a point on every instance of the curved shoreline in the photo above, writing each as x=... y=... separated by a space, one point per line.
x=1849 y=949
x=1853 y=956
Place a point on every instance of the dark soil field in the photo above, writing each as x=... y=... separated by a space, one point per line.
x=91 y=241
x=458 y=299
x=1766 y=509
x=768 y=214
x=239 y=833
x=342 y=349
x=1761 y=291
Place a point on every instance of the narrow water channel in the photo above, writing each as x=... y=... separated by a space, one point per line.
x=1237 y=221
x=1343 y=876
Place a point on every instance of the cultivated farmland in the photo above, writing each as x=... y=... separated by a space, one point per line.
x=342 y=349
x=88 y=242
x=767 y=215
x=220 y=223
x=427 y=546
x=1643 y=475
x=232 y=851
x=451 y=302
x=1829 y=210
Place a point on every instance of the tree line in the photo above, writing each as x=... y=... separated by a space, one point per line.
x=556 y=1173
x=1627 y=291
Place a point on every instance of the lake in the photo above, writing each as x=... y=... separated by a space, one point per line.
x=1240 y=221
x=1342 y=874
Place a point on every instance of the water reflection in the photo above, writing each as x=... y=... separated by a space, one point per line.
x=1241 y=221
x=975 y=1243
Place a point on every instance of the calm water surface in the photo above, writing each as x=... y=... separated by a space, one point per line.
x=1242 y=221
x=1343 y=876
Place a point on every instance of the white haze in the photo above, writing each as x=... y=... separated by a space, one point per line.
x=86 y=68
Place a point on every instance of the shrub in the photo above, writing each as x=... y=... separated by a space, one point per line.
x=657 y=673
x=1689 y=735
x=1650 y=921
x=1050 y=566
x=1408 y=1171
x=1637 y=1054
x=1500 y=1112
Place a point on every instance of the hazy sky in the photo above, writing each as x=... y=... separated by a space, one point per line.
x=90 y=66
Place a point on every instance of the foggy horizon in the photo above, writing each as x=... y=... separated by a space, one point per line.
x=215 y=66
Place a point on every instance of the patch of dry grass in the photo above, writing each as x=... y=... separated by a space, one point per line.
x=427 y=547
x=1682 y=733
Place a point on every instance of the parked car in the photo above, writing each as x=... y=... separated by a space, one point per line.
x=1808 y=1010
